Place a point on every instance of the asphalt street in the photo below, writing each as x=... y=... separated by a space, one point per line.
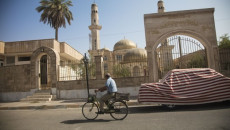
x=197 y=117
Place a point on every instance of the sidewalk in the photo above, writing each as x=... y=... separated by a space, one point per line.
x=57 y=104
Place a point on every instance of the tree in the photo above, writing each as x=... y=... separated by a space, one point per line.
x=224 y=41
x=197 y=61
x=121 y=71
x=55 y=13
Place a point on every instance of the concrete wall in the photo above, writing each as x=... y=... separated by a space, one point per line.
x=15 y=96
x=78 y=89
x=67 y=51
x=82 y=93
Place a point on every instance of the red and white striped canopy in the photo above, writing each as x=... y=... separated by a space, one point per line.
x=187 y=86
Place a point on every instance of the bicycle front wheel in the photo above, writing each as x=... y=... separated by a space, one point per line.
x=120 y=110
x=90 y=110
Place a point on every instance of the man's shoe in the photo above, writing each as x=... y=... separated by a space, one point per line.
x=100 y=112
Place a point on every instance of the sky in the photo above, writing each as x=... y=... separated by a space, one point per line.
x=19 y=21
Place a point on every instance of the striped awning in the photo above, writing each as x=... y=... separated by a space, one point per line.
x=187 y=86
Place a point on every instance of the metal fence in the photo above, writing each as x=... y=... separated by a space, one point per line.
x=135 y=67
x=179 y=52
x=225 y=61
x=75 y=71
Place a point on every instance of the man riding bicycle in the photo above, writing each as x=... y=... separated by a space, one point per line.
x=111 y=87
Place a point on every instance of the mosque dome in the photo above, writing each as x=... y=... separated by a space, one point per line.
x=105 y=49
x=137 y=54
x=124 y=44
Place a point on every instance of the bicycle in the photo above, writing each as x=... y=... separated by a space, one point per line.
x=116 y=107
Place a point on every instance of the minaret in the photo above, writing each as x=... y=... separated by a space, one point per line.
x=161 y=8
x=95 y=28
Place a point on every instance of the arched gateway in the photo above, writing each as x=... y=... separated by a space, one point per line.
x=44 y=68
x=197 y=24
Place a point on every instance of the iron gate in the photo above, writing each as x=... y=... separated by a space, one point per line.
x=180 y=52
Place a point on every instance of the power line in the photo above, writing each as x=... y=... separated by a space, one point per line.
x=104 y=35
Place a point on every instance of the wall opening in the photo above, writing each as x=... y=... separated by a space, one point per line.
x=180 y=52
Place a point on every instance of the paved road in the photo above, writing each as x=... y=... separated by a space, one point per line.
x=199 y=117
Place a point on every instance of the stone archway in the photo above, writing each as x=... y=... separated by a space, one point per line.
x=198 y=24
x=53 y=60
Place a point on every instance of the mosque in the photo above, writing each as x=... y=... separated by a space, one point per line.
x=125 y=54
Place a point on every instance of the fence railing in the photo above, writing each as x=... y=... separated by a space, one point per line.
x=135 y=68
x=225 y=61
x=75 y=71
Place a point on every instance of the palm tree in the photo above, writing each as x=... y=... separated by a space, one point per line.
x=55 y=13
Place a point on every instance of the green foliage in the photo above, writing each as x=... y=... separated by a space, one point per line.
x=197 y=61
x=224 y=41
x=55 y=13
x=91 y=69
x=121 y=71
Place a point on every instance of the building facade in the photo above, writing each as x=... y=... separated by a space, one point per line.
x=124 y=56
x=198 y=24
x=27 y=66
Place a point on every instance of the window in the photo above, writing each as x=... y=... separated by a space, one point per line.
x=62 y=63
x=105 y=58
x=106 y=67
x=25 y=58
x=119 y=57
x=1 y=62
x=10 y=60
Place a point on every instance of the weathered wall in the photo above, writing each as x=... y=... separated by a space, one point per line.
x=2 y=47
x=81 y=84
x=15 y=78
x=30 y=46
x=198 y=24
x=67 y=51
x=15 y=83
x=78 y=88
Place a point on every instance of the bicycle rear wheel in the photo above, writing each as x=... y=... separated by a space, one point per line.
x=90 y=110
x=120 y=110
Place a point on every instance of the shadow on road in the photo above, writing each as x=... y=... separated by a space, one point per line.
x=84 y=121
x=202 y=107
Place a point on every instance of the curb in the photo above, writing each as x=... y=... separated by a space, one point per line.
x=45 y=107
x=42 y=107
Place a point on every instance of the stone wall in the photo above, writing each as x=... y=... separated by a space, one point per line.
x=30 y=46
x=69 y=51
x=2 y=47
x=15 y=78
x=198 y=24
